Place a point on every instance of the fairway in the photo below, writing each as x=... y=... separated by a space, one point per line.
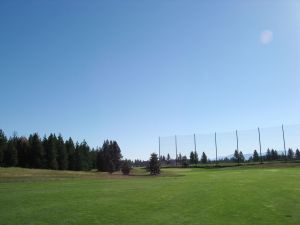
x=178 y=196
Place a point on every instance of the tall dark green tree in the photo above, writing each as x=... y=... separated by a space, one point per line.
x=255 y=156
x=3 y=144
x=109 y=157
x=50 y=152
x=192 y=157
x=11 y=154
x=196 y=158
x=36 y=151
x=62 y=157
x=236 y=156
x=70 y=148
x=291 y=154
x=154 y=165
x=184 y=162
x=168 y=159
x=203 y=158
x=268 y=155
x=23 y=152
x=297 y=154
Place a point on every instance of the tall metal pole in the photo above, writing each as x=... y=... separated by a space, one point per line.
x=176 y=149
x=195 y=145
x=159 y=148
x=237 y=140
x=216 y=147
x=259 y=144
x=283 y=141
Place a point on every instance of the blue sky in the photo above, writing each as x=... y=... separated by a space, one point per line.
x=135 y=70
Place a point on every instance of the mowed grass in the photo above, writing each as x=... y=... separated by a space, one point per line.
x=179 y=196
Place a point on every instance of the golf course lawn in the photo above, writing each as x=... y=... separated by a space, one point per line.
x=177 y=196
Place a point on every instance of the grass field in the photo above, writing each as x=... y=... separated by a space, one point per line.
x=179 y=196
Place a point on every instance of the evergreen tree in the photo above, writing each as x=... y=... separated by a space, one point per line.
x=154 y=165
x=290 y=154
x=241 y=157
x=192 y=157
x=70 y=148
x=297 y=154
x=268 y=155
x=23 y=152
x=168 y=159
x=255 y=156
x=196 y=158
x=203 y=158
x=109 y=157
x=184 y=162
x=3 y=144
x=50 y=152
x=62 y=157
x=180 y=158
x=36 y=151
x=10 y=155
x=236 y=156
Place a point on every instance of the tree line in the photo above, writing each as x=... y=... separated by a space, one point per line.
x=238 y=157
x=53 y=152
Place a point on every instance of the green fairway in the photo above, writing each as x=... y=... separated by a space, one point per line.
x=178 y=196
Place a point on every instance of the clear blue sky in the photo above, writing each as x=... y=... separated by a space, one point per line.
x=135 y=70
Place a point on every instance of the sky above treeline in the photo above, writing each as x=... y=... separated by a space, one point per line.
x=135 y=70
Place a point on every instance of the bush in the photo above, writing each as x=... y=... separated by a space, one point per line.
x=126 y=167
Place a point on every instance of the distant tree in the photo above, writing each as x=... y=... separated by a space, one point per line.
x=203 y=158
x=291 y=154
x=23 y=152
x=236 y=156
x=268 y=155
x=50 y=149
x=179 y=159
x=154 y=165
x=126 y=167
x=184 y=162
x=297 y=154
x=109 y=157
x=274 y=155
x=196 y=158
x=241 y=157
x=168 y=159
x=192 y=157
x=36 y=151
x=3 y=144
x=255 y=156
x=11 y=154
x=62 y=156
x=70 y=148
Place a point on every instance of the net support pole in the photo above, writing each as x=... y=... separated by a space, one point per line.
x=216 y=147
x=259 y=140
x=237 y=140
x=283 y=137
x=176 y=149
x=159 y=148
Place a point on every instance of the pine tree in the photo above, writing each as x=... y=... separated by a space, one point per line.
x=236 y=156
x=268 y=155
x=192 y=157
x=3 y=144
x=62 y=157
x=184 y=162
x=168 y=159
x=23 y=152
x=241 y=157
x=255 y=156
x=154 y=165
x=11 y=155
x=203 y=158
x=297 y=154
x=50 y=152
x=36 y=151
x=70 y=148
x=290 y=154
x=196 y=158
